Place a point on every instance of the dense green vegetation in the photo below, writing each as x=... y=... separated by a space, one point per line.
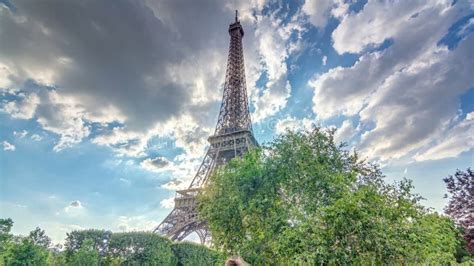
x=99 y=247
x=194 y=254
x=303 y=199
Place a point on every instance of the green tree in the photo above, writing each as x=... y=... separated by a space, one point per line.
x=25 y=252
x=191 y=254
x=141 y=248
x=86 y=255
x=304 y=199
x=5 y=236
x=75 y=239
x=39 y=237
x=56 y=257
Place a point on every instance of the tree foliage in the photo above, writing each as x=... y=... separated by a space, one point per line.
x=87 y=254
x=189 y=254
x=461 y=203
x=5 y=236
x=100 y=241
x=39 y=238
x=139 y=248
x=304 y=199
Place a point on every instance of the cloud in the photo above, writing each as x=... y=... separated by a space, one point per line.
x=157 y=164
x=293 y=124
x=402 y=107
x=124 y=93
x=63 y=116
x=274 y=47
x=24 y=108
x=36 y=137
x=123 y=142
x=75 y=208
x=125 y=181
x=20 y=134
x=135 y=223
x=456 y=140
x=319 y=11
x=7 y=146
x=167 y=203
x=176 y=184
x=346 y=132
x=76 y=204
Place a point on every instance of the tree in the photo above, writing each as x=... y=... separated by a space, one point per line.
x=303 y=199
x=141 y=248
x=5 y=236
x=39 y=237
x=85 y=255
x=25 y=252
x=75 y=239
x=461 y=203
x=189 y=253
x=56 y=256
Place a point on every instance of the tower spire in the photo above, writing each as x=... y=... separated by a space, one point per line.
x=234 y=113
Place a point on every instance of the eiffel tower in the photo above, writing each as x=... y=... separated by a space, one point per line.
x=233 y=137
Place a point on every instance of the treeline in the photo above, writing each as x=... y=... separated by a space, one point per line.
x=300 y=200
x=99 y=247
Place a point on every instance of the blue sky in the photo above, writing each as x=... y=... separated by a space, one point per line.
x=105 y=111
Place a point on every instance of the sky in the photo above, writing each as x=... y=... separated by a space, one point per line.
x=105 y=109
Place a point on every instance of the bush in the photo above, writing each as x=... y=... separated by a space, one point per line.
x=188 y=253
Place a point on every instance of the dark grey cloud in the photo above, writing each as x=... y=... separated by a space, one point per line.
x=118 y=54
x=75 y=204
x=159 y=162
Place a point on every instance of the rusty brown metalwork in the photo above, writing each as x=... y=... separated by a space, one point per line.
x=233 y=137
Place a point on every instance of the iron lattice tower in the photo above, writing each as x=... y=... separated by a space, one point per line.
x=233 y=137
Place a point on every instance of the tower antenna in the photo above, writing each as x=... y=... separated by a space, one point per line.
x=236 y=15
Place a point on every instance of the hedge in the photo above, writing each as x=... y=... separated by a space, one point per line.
x=188 y=253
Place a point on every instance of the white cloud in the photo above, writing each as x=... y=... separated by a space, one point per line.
x=379 y=21
x=466 y=27
x=319 y=11
x=5 y=77
x=324 y=60
x=175 y=184
x=135 y=223
x=293 y=124
x=346 y=132
x=20 y=134
x=407 y=94
x=65 y=117
x=167 y=203
x=36 y=137
x=274 y=47
x=125 y=181
x=123 y=142
x=24 y=108
x=7 y=146
x=456 y=140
